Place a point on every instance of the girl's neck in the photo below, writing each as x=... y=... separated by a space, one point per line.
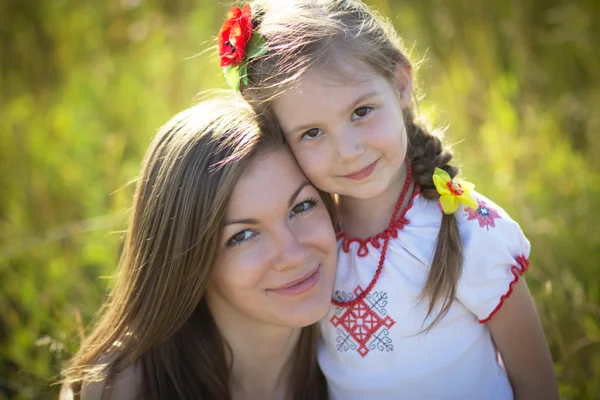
x=363 y=218
x=261 y=361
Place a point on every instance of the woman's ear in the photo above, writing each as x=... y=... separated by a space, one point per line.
x=403 y=80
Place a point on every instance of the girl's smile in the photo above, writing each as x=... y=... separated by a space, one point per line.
x=363 y=173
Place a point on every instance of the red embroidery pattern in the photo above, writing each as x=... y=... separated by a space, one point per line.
x=517 y=270
x=364 y=326
x=484 y=214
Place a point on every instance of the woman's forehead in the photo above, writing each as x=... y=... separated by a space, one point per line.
x=267 y=184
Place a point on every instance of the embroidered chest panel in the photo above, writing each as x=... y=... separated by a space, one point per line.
x=365 y=326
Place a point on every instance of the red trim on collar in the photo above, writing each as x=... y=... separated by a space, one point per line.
x=376 y=240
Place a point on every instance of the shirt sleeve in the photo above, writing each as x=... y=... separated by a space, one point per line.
x=496 y=255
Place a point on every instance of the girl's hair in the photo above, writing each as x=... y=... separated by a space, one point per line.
x=303 y=34
x=156 y=316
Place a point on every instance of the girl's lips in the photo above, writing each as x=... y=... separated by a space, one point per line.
x=300 y=285
x=363 y=173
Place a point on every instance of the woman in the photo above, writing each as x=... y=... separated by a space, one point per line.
x=229 y=259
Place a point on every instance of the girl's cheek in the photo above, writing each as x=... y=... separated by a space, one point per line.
x=379 y=128
x=311 y=163
x=301 y=153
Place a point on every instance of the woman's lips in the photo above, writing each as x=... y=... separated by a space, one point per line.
x=300 y=285
x=363 y=173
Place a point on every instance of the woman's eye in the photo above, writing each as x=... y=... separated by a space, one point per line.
x=240 y=237
x=312 y=133
x=304 y=207
x=360 y=112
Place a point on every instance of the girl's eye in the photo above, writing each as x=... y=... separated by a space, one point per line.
x=240 y=237
x=312 y=133
x=304 y=207
x=361 y=112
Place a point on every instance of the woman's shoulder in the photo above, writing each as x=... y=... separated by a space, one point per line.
x=124 y=385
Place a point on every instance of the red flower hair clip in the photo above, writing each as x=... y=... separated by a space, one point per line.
x=238 y=44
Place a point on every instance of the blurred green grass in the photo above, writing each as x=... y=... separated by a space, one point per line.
x=84 y=85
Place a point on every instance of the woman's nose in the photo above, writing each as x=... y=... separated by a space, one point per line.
x=292 y=253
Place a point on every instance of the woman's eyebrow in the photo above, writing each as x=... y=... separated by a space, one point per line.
x=297 y=192
x=252 y=221
x=249 y=221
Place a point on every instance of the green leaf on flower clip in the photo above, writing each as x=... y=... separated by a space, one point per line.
x=243 y=72
x=232 y=75
x=256 y=46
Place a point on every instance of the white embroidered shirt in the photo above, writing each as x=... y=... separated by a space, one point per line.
x=374 y=350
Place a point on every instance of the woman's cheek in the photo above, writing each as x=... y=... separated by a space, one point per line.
x=247 y=260
x=319 y=228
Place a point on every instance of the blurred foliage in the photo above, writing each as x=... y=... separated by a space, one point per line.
x=84 y=85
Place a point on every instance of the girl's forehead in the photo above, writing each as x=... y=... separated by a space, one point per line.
x=342 y=69
x=343 y=76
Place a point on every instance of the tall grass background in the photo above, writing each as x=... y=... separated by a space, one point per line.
x=85 y=85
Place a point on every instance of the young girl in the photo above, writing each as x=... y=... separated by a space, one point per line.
x=429 y=300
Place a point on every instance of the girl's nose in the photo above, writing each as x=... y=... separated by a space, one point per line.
x=350 y=145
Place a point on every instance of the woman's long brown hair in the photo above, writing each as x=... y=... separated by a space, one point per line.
x=303 y=34
x=156 y=316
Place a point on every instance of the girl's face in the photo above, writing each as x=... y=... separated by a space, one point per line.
x=348 y=136
x=277 y=259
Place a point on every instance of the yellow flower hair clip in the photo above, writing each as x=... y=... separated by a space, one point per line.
x=453 y=191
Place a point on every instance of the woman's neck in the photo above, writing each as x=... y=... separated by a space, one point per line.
x=363 y=218
x=261 y=361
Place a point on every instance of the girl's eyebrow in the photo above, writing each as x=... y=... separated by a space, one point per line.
x=347 y=109
x=302 y=128
x=360 y=99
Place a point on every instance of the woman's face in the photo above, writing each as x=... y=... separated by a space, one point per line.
x=277 y=257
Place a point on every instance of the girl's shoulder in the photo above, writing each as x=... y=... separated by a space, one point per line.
x=487 y=229
x=488 y=221
x=495 y=256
